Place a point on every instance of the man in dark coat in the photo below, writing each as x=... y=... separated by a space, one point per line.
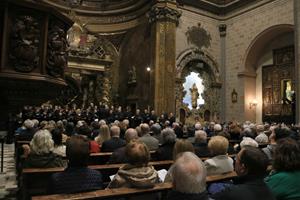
x=119 y=155
x=77 y=177
x=115 y=142
x=251 y=164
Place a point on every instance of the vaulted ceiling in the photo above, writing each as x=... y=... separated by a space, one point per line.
x=219 y=7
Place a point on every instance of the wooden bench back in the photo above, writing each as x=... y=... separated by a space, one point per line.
x=35 y=181
x=121 y=192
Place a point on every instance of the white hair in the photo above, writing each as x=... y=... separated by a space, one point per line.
x=28 y=124
x=168 y=135
x=189 y=174
x=198 y=126
x=217 y=127
x=42 y=142
x=102 y=122
x=247 y=141
x=200 y=135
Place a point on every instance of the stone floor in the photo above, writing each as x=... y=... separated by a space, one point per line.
x=8 y=183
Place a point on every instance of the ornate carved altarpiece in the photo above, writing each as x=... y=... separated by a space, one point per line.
x=195 y=60
x=277 y=82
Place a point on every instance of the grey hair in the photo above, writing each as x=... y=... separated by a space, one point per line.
x=247 y=141
x=189 y=174
x=28 y=124
x=200 y=136
x=102 y=122
x=156 y=129
x=168 y=135
x=115 y=131
x=42 y=142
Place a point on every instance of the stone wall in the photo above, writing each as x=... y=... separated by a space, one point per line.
x=241 y=32
x=243 y=28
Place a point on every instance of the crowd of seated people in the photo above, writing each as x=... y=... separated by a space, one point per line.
x=131 y=139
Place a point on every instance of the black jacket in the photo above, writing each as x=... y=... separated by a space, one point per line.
x=112 y=144
x=247 y=188
x=175 y=195
x=165 y=152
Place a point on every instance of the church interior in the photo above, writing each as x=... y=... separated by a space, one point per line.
x=233 y=63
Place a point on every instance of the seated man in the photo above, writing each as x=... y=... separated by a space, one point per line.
x=119 y=155
x=77 y=177
x=150 y=141
x=189 y=178
x=251 y=165
x=114 y=142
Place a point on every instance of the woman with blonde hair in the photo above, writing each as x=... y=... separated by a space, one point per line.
x=221 y=162
x=104 y=134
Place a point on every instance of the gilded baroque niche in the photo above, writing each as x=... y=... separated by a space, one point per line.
x=194 y=60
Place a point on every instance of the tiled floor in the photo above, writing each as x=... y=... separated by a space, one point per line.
x=8 y=183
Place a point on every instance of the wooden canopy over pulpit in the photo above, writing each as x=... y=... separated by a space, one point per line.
x=33 y=54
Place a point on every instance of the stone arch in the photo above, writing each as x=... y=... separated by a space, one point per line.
x=193 y=54
x=209 y=72
x=247 y=75
x=260 y=41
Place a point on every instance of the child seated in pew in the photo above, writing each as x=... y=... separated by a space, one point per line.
x=77 y=177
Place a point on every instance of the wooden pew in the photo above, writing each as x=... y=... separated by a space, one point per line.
x=103 y=157
x=36 y=180
x=122 y=192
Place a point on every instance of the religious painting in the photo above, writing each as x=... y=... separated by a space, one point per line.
x=286 y=91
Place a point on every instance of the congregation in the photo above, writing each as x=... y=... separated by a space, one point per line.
x=266 y=156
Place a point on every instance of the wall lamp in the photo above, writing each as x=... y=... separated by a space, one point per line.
x=253 y=104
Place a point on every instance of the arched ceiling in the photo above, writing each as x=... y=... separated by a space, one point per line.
x=219 y=7
x=100 y=7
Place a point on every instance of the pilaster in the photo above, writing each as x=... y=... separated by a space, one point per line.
x=164 y=17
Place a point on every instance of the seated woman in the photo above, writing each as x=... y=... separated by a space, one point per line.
x=165 y=151
x=137 y=172
x=221 y=162
x=59 y=147
x=41 y=155
x=284 y=180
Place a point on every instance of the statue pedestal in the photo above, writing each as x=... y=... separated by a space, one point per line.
x=194 y=115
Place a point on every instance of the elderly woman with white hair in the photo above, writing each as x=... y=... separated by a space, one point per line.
x=41 y=155
x=165 y=151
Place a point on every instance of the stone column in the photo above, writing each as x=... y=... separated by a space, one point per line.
x=297 y=57
x=163 y=18
x=222 y=30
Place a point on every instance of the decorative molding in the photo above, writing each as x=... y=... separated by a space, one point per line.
x=24 y=43
x=222 y=30
x=196 y=54
x=209 y=73
x=163 y=13
x=245 y=74
x=57 y=50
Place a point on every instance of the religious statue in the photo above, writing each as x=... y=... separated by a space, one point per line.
x=132 y=75
x=194 y=95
